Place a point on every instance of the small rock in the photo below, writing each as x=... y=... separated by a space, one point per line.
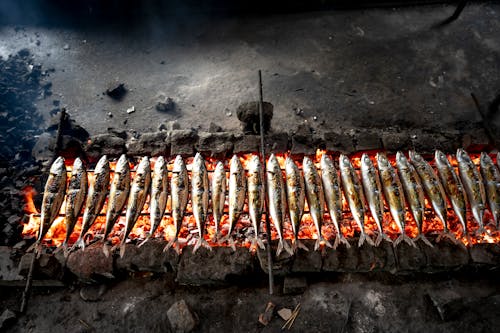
x=182 y=319
x=248 y=114
x=66 y=47
x=131 y=109
x=448 y=303
x=294 y=285
x=285 y=313
x=229 y=114
x=214 y=128
x=116 y=90
x=92 y=293
x=110 y=115
x=265 y=318
x=7 y=318
x=166 y=105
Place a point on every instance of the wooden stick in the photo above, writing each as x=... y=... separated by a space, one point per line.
x=29 y=280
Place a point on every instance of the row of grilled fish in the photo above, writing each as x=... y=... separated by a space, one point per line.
x=409 y=183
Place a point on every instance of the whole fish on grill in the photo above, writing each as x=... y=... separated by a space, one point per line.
x=473 y=185
x=218 y=195
x=95 y=198
x=354 y=195
x=491 y=178
x=256 y=193
x=394 y=196
x=179 y=192
x=158 y=195
x=333 y=197
x=237 y=191
x=53 y=197
x=295 y=194
x=452 y=187
x=277 y=201
x=315 y=198
x=137 y=198
x=199 y=198
x=434 y=190
x=374 y=196
x=75 y=197
x=414 y=193
x=118 y=194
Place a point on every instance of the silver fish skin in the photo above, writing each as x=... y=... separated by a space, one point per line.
x=374 y=196
x=158 y=196
x=139 y=190
x=236 y=196
x=118 y=194
x=95 y=198
x=256 y=196
x=53 y=196
x=277 y=201
x=473 y=185
x=353 y=192
x=315 y=198
x=75 y=198
x=433 y=188
x=414 y=193
x=179 y=192
x=199 y=198
x=295 y=194
x=452 y=187
x=333 y=197
x=491 y=178
x=394 y=195
x=219 y=183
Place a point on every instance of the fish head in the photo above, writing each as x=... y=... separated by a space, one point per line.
x=198 y=162
x=416 y=157
x=272 y=164
x=485 y=159
x=289 y=165
x=143 y=166
x=401 y=159
x=160 y=165
x=307 y=163
x=122 y=163
x=57 y=166
x=440 y=158
x=366 y=162
x=462 y=156
x=382 y=161
x=344 y=161
x=236 y=166
x=77 y=165
x=219 y=167
x=179 y=165
x=254 y=163
x=102 y=165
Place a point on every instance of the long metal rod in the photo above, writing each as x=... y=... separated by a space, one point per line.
x=266 y=203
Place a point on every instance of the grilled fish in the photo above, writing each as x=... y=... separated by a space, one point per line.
x=295 y=193
x=491 y=178
x=218 y=195
x=315 y=198
x=414 y=193
x=118 y=194
x=77 y=192
x=179 y=191
x=434 y=190
x=53 y=197
x=237 y=191
x=137 y=198
x=473 y=185
x=333 y=197
x=394 y=196
x=452 y=187
x=277 y=201
x=256 y=193
x=373 y=192
x=354 y=194
x=95 y=198
x=159 y=196
x=199 y=198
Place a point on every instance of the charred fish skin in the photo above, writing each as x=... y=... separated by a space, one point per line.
x=394 y=195
x=179 y=192
x=373 y=192
x=277 y=200
x=199 y=198
x=333 y=197
x=433 y=188
x=95 y=197
x=236 y=196
x=354 y=195
x=295 y=193
x=53 y=196
x=315 y=198
x=139 y=190
x=414 y=193
x=77 y=192
x=218 y=194
x=452 y=187
x=256 y=193
x=118 y=193
x=473 y=185
x=491 y=178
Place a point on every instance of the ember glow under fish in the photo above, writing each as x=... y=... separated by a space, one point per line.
x=199 y=198
x=491 y=178
x=218 y=195
x=256 y=196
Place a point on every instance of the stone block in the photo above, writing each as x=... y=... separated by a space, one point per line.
x=182 y=142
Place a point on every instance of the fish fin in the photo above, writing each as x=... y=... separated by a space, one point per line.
x=201 y=242
x=280 y=248
x=79 y=244
x=148 y=237
x=223 y=239
x=32 y=247
x=423 y=239
x=398 y=240
x=170 y=244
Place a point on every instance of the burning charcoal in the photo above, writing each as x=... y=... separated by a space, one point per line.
x=91 y=264
x=353 y=259
x=181 y=318
x=248 y=114
x=6 y=319
x=116 y=90
x=265 y=318
x=294 y=285
x=165 y=105
x=448 y=303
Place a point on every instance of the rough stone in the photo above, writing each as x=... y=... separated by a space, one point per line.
x=294 y=285
x=409 y=258
x=246 y=143
x=91 y=264
x=151 y=144
x=367 y=140
x=225 y=266
x=302 y=141
x=183 y=141
x=105 y=144
x=165 y=105
x=485 y=254
x=214 y=128
x=428 y=142
x=181 y=318
x=7 y=318
x=392 y=141
x=445 y=255
x=447 y=302
x=282 y=265
x=48 y=266
x=8 y=269
x=116 y=90
x=383 y=257
x=215 y=143
x=353 y=259
x=169 y=126
x=148 y=258
x=476 y=139
x=277 y=142
x=248 y=114
x=307 y=261
x=339 y=141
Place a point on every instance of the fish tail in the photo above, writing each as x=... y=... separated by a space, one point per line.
x=409 y=241
x=79 y=244
x=344 y=240
x=280 y=247
x=122 y=248
x=60 y=248
x=365 y=238
x=260 y=243
x=379 y=239
x=170 y=244
x=336 y=242
x=362 y=239
x=201 y=242
x=148 y=237
x=287 y=247
x=106 y=249
x=398 y=240
x=299 y=245
x=423 y=239
x=386 y=238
